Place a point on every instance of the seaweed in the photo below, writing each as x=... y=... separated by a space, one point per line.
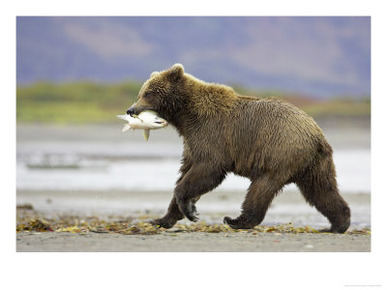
x=35 y=222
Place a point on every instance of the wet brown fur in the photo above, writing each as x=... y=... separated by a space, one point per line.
x=269 y=141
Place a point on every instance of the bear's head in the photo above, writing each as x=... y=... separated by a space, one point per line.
x=163 y=93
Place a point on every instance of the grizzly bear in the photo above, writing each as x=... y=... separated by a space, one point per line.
x=267 y=140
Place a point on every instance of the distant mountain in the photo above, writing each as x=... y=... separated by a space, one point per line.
x=312 y=56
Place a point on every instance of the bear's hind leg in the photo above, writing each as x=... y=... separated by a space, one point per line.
x=260 y=194
x=319 y=187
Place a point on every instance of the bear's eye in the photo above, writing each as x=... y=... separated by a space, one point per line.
x=147 y=94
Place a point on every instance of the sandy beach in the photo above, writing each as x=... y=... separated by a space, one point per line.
x=192 y=242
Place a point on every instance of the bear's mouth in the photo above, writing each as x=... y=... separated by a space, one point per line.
x=133 y=110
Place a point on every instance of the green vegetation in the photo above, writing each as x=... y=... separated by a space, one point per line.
x=88 y=102
x=82 y=102
x=340 y=107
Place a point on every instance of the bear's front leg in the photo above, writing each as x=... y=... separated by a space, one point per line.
x=201 y=178
x=173 y=215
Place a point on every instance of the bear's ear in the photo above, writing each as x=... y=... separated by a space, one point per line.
x=155 y=73
x=176 y=72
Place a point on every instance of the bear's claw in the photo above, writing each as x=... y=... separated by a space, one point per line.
x=228 y=221
x=334 y=230
x=189 y=210
x=239 y=223
x=162 y=223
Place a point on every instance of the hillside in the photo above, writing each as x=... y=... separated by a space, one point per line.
x=317 y=56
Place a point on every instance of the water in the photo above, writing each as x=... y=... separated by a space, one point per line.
x=76 y=173
x=106 y=159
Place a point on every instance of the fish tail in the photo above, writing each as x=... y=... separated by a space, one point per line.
x=126 y=128
x=146 y=134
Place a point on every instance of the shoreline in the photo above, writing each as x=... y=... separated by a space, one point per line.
x=288 y=207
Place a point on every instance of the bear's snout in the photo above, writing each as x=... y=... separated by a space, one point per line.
x=136 y=109
x=130 y=111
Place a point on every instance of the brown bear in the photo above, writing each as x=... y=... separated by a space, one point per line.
x=267 y=140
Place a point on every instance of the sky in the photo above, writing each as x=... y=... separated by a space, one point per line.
x=320 y=57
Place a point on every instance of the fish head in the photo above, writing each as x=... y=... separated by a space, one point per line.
x=161 y=93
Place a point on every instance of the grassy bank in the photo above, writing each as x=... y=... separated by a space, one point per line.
x=88 y=102
x=82 y=102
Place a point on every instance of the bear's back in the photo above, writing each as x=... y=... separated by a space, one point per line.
x=271 y=132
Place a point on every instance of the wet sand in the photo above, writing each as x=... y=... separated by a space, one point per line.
x=192 y=242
